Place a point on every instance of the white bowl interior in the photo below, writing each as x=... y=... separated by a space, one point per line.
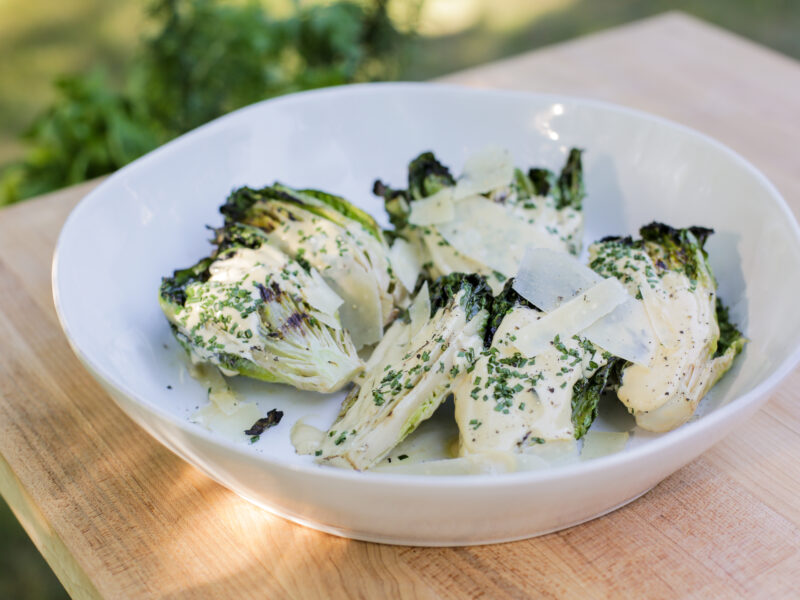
x=150 y=218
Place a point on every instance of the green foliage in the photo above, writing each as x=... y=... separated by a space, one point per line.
x=24 y=574
x=89 y=131
x=206 y=58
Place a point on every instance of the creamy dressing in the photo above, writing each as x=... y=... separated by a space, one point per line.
x=222 y=313
x=263 y=307
x=509 y=402
x=689 y=319
x=564 y=225
x=665 y=394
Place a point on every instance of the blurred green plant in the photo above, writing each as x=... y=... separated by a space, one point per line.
x=90 y=130
x=206 y=58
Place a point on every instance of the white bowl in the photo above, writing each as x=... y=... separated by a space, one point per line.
x=149 y=217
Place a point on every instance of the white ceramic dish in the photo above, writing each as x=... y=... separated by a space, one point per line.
x=149 y=218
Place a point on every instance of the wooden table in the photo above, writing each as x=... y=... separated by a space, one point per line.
x=118 y=516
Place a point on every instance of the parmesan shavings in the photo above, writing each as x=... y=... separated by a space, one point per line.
x=626 y=332
x=405 y=263
x=484 y=231
x=324 y=299
x=433 y=209
x=571 y=317
x=548 y=279
x=485 y=171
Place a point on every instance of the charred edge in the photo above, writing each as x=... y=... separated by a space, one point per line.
x=540 y=178
x=655 y=230
x=273 y=418
x=701 y=233
x=625 y=241
x=264 y=293
x=381 y=189
x=174 y=288
x=295 y=321
x=269 y=294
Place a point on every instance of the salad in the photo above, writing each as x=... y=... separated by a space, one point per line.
x=476 y=293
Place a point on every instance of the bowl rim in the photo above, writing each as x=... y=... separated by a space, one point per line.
x=664 y=442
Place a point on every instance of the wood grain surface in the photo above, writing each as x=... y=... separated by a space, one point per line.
x=118 y=516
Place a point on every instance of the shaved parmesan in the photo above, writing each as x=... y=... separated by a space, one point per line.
x=406 y=263
x=362 y=311
x=420 y=310
x=485 y=171
x=571 y=317
x=548 y=278
x=433 y=209
x=324 y=299
x=305 y=438
x=625 y=332
x=484 y=231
